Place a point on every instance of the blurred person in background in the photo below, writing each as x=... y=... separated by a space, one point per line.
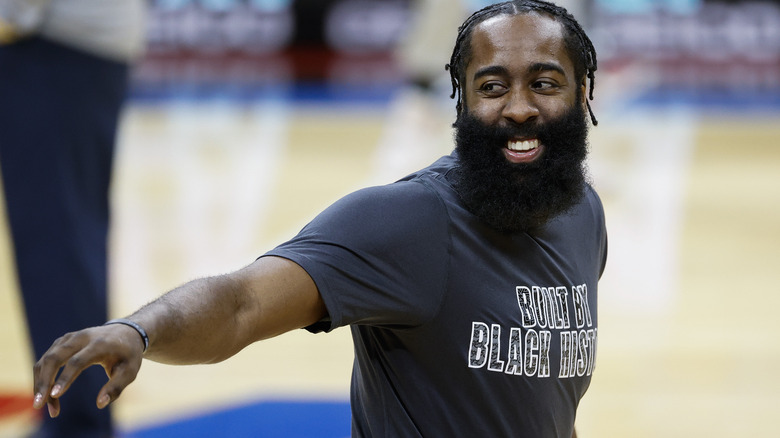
x=64 y=70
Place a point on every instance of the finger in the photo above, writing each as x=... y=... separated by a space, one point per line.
x=54 y=407
x=121 y=375
x=45 y=371
x=38 y=400
x=72 y=369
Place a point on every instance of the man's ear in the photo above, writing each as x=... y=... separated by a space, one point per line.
x=583 y=88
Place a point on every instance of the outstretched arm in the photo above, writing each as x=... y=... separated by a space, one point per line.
x=203 y=321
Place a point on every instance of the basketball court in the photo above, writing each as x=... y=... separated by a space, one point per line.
x=688 y=336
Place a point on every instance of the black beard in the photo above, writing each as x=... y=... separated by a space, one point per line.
x=521 y=197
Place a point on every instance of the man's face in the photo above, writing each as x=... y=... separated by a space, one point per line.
x=521 y=139
x=519 y=73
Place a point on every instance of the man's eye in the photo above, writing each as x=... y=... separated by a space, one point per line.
x=491 y=87
x=544 y=85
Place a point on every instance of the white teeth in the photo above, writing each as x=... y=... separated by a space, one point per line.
x=521 y=146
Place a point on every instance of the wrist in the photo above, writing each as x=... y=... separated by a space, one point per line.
x=140 y=330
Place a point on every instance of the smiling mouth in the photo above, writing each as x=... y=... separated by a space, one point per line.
x=523 y=151
x=522 y=146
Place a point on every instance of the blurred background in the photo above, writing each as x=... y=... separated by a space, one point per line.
x=247 y=117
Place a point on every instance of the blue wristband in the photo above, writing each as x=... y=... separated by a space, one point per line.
x=137 y=328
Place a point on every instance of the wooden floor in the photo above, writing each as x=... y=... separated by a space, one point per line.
x=689 y=336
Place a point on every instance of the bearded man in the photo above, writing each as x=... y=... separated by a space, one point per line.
x=470 y=286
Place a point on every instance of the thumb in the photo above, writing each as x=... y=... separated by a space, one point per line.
x=120 y=376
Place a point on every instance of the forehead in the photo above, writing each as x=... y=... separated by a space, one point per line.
x=515 y=40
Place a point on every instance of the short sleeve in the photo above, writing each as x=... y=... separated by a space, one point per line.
x=378 y=256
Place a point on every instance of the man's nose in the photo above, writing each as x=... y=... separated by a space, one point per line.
x=520 y=107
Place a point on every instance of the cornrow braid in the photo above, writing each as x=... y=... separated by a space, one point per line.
x=579 y=46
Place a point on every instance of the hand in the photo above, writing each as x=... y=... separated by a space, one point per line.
x=117 y=348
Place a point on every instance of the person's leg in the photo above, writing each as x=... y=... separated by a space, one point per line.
x=58 y=120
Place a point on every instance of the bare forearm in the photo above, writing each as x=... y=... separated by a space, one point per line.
x=210 y=319
x=194 y=323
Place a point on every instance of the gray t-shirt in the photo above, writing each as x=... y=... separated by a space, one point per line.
x=459 y=330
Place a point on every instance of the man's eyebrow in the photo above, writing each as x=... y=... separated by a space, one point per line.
x=499 y=70
x=546 y=66
x=490 y=70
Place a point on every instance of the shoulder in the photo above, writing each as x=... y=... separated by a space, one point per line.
x=585 y=220
x=397 y=207
x=592 y=199
x=593 y=218
x=421 y=196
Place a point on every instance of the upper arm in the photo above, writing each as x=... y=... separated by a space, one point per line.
x=378 y=256
x=277 y=296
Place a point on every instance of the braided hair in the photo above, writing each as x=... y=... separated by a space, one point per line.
x=579 y=46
